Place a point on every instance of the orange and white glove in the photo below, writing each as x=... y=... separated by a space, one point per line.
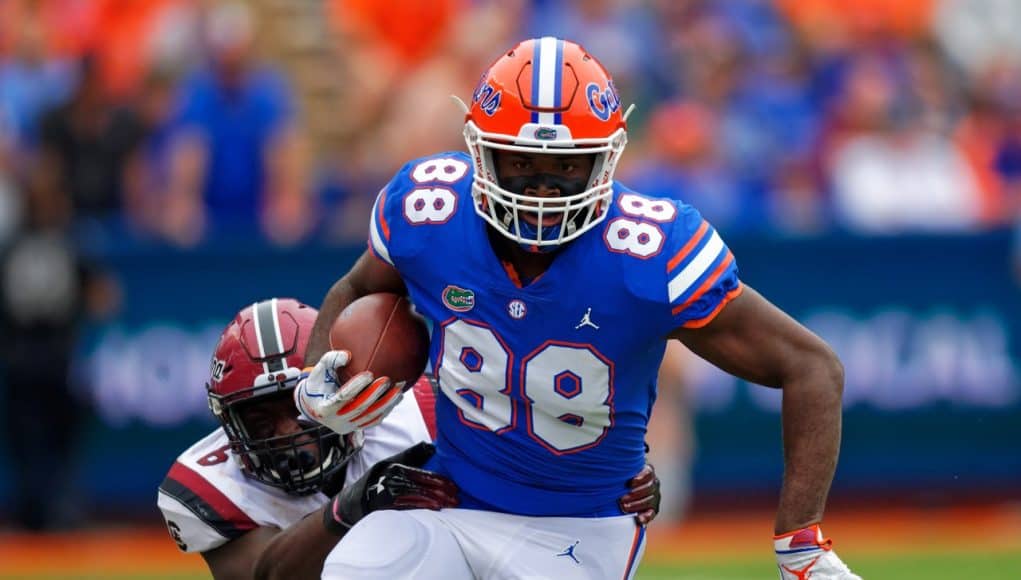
x=361 y=402
x=806 y=555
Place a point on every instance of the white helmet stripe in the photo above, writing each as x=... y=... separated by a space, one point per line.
x=548 y=77
x=258 y=335
x=267 y=331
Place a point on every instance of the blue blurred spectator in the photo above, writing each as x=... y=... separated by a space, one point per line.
x=683 y=161
x=625 y=35
x=236 y=159
x=891 y=171
x=31 y=84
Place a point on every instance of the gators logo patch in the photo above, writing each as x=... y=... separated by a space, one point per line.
x=546 y=134
x=458 y=299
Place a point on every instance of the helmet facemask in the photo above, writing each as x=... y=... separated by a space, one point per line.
x=301 y=462
x=574 y=212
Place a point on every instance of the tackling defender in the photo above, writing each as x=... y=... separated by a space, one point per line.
x=552 y=290
x=242 y=496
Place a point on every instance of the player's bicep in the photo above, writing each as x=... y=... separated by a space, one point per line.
x=753 y=339
x=371 y=274
x=236 y=559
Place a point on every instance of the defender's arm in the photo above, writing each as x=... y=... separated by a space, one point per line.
x=267 y=552
x=755 y=340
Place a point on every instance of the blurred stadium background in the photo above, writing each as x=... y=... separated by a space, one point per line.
x=164 y=162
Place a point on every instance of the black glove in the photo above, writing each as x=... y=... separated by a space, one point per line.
x=395 y=483
x=643 y=499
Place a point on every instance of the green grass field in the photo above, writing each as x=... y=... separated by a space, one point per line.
x=957 y=543
x=931 y=566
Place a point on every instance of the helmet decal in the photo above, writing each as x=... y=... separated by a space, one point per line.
x=603 y=101
x=487 y=97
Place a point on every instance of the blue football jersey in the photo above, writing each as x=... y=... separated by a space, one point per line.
x=548 y=386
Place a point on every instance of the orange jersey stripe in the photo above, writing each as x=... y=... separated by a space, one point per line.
x=695 y=239
x=705 y=285
x=511 y=273
x=700 y=322
x=382 y=220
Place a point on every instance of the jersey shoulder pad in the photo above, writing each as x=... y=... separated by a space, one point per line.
x=195 y=497
x=682 y=262
x=428 y=191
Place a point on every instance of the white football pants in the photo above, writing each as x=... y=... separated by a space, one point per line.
x=456 y=544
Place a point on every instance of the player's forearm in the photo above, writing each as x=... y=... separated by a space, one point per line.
x=339 y=296
x=811 y=440
x=297 y=552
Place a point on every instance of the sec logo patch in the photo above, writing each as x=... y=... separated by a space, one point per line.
x=516 y=309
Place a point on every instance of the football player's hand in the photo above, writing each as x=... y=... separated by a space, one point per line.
x=643 y=499
x=806 y=555
x=361 y=402
x=395 y=483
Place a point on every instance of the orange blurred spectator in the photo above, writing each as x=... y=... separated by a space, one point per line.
x=411 y=30
x=70 y=25
x=123 y=35
x=127 y=34
x=820 y=18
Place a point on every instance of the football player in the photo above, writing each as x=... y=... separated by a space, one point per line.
x=267 y=495
x=552 y=290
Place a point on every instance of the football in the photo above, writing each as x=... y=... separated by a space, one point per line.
x=384 y=335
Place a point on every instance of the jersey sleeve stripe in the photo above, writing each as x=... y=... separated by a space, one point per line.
x=696 y=268
x=376 y=241
x=695 y=239
x=380 y=204
x=705 y=286
x=700 y=322
x=206 y=502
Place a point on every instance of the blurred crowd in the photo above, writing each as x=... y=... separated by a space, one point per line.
x=177 y=120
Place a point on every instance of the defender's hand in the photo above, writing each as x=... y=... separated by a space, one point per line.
x=397 y=482
x=361 y=402
x=644 y=497
x=806 y=555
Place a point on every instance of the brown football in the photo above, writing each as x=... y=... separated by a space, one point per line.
x=384 y=336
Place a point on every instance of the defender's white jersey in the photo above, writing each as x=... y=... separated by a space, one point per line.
x=207 y=500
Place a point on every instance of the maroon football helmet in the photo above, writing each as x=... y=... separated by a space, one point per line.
x=255 y=367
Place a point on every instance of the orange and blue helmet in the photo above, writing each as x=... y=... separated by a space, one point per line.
x=549 y=96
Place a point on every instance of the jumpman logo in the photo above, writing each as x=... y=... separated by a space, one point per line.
x=569 y=552
x=587 y=321
x=803 y=574
x=379 y=487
